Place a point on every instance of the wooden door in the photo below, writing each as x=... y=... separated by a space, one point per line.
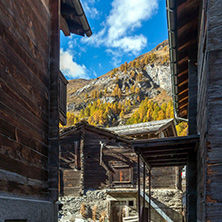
x=117 y=211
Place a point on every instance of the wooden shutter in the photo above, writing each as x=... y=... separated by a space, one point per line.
x=121 y=174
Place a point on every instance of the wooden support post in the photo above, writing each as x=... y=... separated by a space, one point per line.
x=53 y=150
x=192 y=82
x=191 y=175
x=144 y=190
x=191 y=171
x=149 y=196
x=138 y=175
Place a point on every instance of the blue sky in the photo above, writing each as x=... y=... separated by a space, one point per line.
x=122 y=30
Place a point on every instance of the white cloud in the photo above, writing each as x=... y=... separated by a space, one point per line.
x=70 y=68
x=118 y=30
x=126 y=15
x=132 y=44
x=96 y=39
x=72 y=42
x=91 y=12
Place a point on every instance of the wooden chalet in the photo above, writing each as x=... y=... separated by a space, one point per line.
x=33 y=102
x=93 y=158
x=88 y=152
x=195 y=38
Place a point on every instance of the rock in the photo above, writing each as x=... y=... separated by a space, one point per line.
x=72 y=205
x=160 y=74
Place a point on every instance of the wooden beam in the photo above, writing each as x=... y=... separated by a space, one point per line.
x=144 y=189
x=182 y=67
x=184 y=73
x=183 y=87
x=166 y=157
x=166 y=141
x=150 y=195
x=64 y=26
x=189 y=17
x=183 y=103
x=167 y=149
x=185 y=98
x=182 y=83
x=170 y=164
x=187 y=44
x=183 y=60
x=138 y=179
x=184 y=91
x=144 y=160
x=187 y=29
x=163 y=154
x=170 y=160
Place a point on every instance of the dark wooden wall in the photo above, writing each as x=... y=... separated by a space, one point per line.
x=70 y=165
x=24 y=96
x=164 y=177
x=209 y=112
x=116 y=168
x=94 y=174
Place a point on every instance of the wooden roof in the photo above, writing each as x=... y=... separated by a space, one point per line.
x=73 y=18
x=142 y=128
x=85 y=125
x=166 y=152
x=182 y=16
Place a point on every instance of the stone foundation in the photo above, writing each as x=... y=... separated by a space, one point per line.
x=22 y=209
x=170 y=202
x=72 y=205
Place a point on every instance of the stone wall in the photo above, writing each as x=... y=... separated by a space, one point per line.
x=170 y=202
x=72 y=205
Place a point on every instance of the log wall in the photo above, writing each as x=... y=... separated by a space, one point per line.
x=209 y=109
x=24 y=96
x=114 y=166
x=95 y=175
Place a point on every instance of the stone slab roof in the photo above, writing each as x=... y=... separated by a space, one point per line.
x=141 y=128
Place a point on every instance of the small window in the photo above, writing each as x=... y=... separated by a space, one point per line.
x=131 y=203
x=121 y=174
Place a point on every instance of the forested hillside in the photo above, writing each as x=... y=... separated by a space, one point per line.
x=138 y=91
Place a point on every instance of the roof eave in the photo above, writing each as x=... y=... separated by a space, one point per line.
x=172 y=34
x=74 y=6
x=82 y=17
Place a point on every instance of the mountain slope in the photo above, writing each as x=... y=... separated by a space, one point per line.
x=146 y=76
x=132 y=93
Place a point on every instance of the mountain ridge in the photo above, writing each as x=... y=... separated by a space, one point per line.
x=115 y=97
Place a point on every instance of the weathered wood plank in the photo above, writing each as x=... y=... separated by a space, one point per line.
x=38 y=108
x=7 y=163
x=32 y=35
x=23 y=153
x=8 y=116
x=20 y=110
